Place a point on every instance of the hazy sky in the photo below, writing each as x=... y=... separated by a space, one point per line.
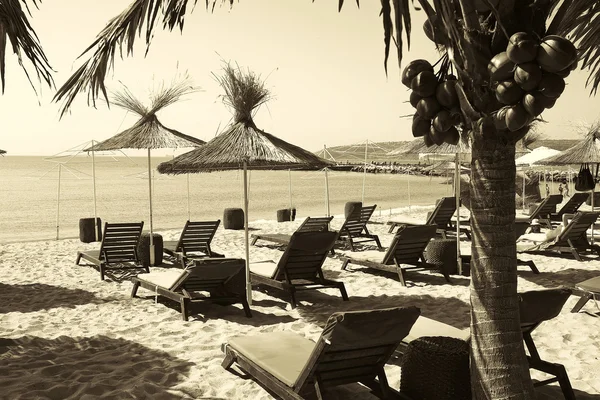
x=324 y=68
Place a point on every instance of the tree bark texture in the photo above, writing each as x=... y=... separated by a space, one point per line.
x=499 y=368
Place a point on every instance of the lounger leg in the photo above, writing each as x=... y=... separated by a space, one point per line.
x=446 y=275
x=318 y=388
x=101 y=268
x=401 y=275
x=376 y=238
x=345 y=264
x=136 y=285
x=581 y=302
x=79 y=254
x=574 y=250
x=343 y=291
x=292 y=297
x=383 y=384
x=253 y=241
x=185 y=303
x=559 y=371
x=228 y=360
x=246 y=308
x=392 y=226
x=350 y=243
x=530 y=264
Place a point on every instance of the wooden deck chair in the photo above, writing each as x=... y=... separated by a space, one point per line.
x=194 y=241
x=535 y=307
x=547 y=207
x=590 y=289
x=207 y=279
x=355 y=227
x=299 y=268
x=571 y=206
x=118 y=249
x=405 y=250
x=440 y=216
x=572 y=238
x=353 y=348
x=310 y=224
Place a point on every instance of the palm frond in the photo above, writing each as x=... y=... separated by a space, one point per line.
x=121 y=33
x=15 y=26
x=580 y=23
x=245 y=91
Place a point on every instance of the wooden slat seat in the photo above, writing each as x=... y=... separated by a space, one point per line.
x=194 y=241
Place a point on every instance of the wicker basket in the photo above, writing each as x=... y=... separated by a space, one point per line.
x=436 y=368
x=233 y=218
x=442 y=253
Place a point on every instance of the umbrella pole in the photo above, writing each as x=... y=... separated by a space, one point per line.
x=246 y=241
x=523 y=189
x=457 y=197
x=290 y=176
x=408 y=185
x=152 y=256
x=327 y=191
x=58 y=202
x=94 y=184
x=365 y=172
x=188 y=198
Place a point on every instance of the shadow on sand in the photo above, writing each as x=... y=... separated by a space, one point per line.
x=39 y=296
x=568 y=277
x=98 y=366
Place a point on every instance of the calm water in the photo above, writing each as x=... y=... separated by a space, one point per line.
x=29 y=193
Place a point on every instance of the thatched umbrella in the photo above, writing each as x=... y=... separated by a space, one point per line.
x=585 y=152
x=148 y=132
x=242 y=144
x=2 y=152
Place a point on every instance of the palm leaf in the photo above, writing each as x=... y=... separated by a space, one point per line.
x=15 y=26
x=579 y=20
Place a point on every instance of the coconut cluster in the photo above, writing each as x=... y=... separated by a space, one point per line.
x=436 y=102
x=529 y=77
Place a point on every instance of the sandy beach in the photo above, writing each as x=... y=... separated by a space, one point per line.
x=64 y=334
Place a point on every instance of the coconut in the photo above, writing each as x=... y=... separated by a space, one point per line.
x=500 y=119
x=413 y=68
x=445 y=93
x=414 y=99
x=556 y=53
x=500 y=67
x=522 y=48
x=436 y=136
x=442 y=121
x=551 y=85
x=509 y=92
x=428 y=141
x=428 y=107
x=424 y=83
x=434 y=30
x=517 y=117
x=452 y=136
x=528 y=75
x=564 y=73
x=535 y=102
x=420 y=125
x=456 y=115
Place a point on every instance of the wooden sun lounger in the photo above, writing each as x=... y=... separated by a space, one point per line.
x=535 y=307
x=194 y=241
x=354 y=230
x=406 y=249
x=590 y=289
x=222 y=278
x=546 y=208
x=118 y=249
x=353 y=348
x=310 y=224
x=571 y=206
x=572 y=239
x=299 y=268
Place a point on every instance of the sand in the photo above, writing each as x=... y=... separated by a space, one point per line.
x=64 y=334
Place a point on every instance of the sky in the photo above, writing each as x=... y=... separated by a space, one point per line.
x=324 y=68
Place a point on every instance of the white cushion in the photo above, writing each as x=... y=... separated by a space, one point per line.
x=429 y=327
x=375 y=256
x=164 y=279
x=263 y=268
x=534 y=237
x=407 y=220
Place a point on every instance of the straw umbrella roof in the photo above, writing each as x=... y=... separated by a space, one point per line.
x=242 y=140
x=586 y=151
x=418 y=146
x=2 y=152
x=148 y=132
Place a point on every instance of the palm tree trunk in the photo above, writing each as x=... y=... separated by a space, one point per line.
x=499 y=368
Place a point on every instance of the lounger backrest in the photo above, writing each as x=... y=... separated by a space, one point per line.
x=304 y=255
x=443 y=212
x=315 y=224
x=196 y=236
x=521 y=227
x=578 y=225
x=547 y=206
x=573 y=204
x=355 y=345
x=356 y=222
x=408 y=244
x=208 y=274
x=537 y=306
x=120 y=241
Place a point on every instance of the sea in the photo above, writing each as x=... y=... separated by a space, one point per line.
x=44 y=198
